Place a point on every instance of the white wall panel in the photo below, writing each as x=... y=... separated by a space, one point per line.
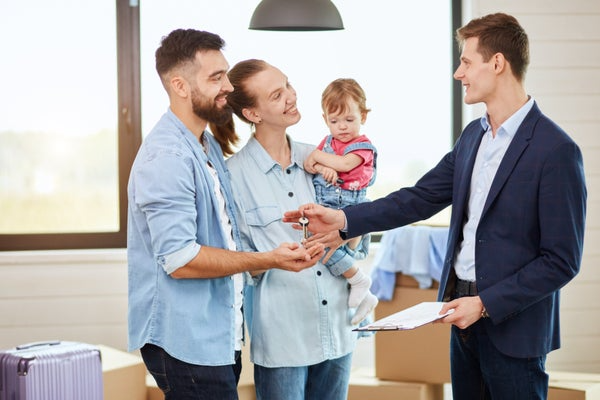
x=67 y=295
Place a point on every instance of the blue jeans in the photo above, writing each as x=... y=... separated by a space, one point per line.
x=182 y=381
x=324 y=381
x=336 y=197
x=479 y=371
x=338 y=263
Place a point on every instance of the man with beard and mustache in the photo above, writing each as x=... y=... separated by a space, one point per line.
x=185 y=276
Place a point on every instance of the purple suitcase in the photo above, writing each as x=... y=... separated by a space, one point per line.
x=51 y=371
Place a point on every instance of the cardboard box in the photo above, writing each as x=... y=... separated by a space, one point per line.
x=247 y=375
x=364 y=385
x=124 y=375
x=246 y=389
x=153 y=392
x=419 y=355
x=573 y=386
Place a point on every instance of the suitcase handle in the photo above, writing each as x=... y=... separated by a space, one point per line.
x=37 y=344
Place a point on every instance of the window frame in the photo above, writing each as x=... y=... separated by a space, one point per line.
x=129 y=133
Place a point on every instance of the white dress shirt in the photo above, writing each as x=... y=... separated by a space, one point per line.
x=489 y=156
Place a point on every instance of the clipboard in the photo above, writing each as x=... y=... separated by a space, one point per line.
x=409 y=318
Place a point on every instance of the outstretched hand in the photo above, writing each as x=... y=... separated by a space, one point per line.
x=320 y=219
x=331 y=241
x=294 y=257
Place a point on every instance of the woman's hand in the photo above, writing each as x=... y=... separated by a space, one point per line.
x=293 y=257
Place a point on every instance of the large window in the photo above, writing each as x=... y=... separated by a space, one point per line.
x=68 y=116
x=69 y=105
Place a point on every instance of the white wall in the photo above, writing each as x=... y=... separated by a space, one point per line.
x=63 y=295
x=82 y=295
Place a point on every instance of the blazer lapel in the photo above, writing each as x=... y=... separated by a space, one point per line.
x=467 y=149
x=463 y=178
x=518 y=145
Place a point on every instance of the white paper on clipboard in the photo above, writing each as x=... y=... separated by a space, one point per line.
x=409 y=318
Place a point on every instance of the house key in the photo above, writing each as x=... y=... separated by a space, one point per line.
x=303 y=221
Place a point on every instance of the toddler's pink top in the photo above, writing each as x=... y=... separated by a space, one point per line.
x=359 y=177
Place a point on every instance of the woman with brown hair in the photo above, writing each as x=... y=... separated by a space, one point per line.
x=299 y=324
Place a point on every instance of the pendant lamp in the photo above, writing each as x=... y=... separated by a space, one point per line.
x=296 y=15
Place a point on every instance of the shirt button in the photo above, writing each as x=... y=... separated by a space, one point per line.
x=319 y=273
x=324 y=302
x=291 y=194
x=289 y=171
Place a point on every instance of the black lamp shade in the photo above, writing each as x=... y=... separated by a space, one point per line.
x=296 y=15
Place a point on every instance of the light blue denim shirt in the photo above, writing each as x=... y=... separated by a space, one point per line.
x=294 y=319
x=172 y=212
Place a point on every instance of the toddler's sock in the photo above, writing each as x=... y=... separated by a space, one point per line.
x=364 y=308
x=359 y=287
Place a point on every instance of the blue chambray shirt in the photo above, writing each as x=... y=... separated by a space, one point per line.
x=294 y=319
x=172 y=212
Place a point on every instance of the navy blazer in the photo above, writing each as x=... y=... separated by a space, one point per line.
x=529 y=240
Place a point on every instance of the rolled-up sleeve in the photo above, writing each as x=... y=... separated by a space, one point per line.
x=178 y=259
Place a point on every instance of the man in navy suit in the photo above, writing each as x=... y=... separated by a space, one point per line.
x=516 y=184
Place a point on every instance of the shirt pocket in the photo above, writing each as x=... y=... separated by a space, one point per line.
x=263 y=216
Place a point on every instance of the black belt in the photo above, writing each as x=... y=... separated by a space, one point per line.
x=465 y=288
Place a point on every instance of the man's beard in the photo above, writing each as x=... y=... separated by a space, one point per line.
x=209 y=111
